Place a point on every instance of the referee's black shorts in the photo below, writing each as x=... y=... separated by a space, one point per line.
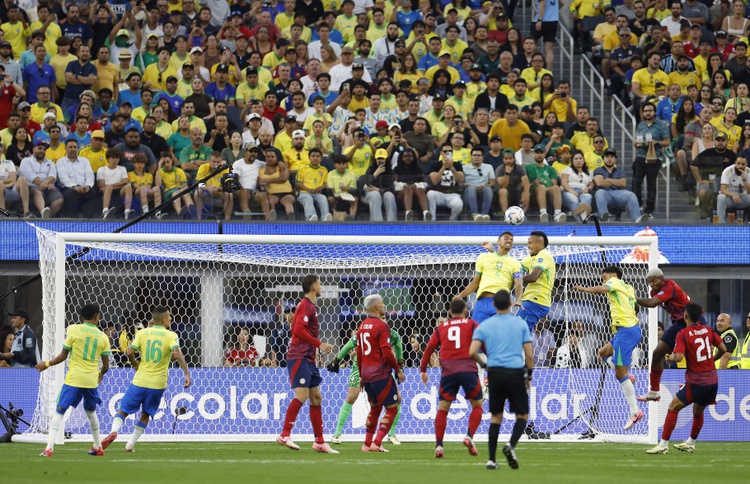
x=507 y=384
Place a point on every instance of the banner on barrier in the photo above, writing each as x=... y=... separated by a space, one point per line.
x=253 y=401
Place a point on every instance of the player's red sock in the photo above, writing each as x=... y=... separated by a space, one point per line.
x=475 y=418
x=695 y=430
x=385 y=424
x=655 y=378
x=291 y=416
x=441 y=420
x=372 y=424
x=316 y=418
x=669 y=424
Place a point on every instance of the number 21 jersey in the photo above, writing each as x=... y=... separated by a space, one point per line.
x=695 y=342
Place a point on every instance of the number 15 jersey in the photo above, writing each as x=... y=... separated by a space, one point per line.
x=374 y=352
x=155 y=345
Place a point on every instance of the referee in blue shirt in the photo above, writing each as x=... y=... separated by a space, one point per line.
x=506 y=341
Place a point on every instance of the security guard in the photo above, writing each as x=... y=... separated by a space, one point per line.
x=729 y=337
x=745 y=363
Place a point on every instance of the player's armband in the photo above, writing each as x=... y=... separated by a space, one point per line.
x=518 y=275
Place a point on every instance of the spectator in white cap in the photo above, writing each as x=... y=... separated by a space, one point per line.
x=297 y=157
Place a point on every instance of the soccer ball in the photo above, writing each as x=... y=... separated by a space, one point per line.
x=514 y=215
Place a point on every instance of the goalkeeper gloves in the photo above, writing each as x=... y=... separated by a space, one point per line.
x=334 y=366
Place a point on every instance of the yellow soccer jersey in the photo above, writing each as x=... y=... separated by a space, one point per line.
x=86 y=344
x=464 y=107
x=296 y=159
x=647 y=82
x=684 y=80
x=246 y=93
x=346 y=26
x=97 y=159
x=621 y=298
x=173 y=179
x=155 y=345
x=360 y=162
x=585 y=143
x=312 y=177
x=147 y=179
x=498 y=272
x=204 y=170
x=540 y=291
x=456 y=51
x=593 y=161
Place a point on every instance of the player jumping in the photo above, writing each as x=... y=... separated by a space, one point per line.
x=458 y=371
x=667 y=293
x=303 y=372
x=150 y=380
x=376 y=360
x=694 y=344
x=619 y=351
x=86 y=344
x=354 y=385
x=493 y=271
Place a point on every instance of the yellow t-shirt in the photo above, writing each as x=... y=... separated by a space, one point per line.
x=86 y=344
x=473 y=89
x=532 y=77
x=155 y=345
x=430 y=73
x=147 y=179
x=585 y=143
x=363 y=104
x=106 y=76
x=325 y=117
x=497 y=271
x=325 y=141
x=464 y=107
x=215 y=181
x=38 y=112
x=59 y=64
x=621 y=298
x=456 y=51
x=176 y=62
x=283 y=20
x=560 y=107
x=585 y=8
x=732 y=133
x=296 y=160
x=335 y=180
x=684 y=81
x=51 y=35
x=700 y=65
x=462 y=156
x=97 y=159
x=361 y=160
x=195 y=122
x=57 y=153
x=511 y=136
x=658 y=14
x=647 y=82
x=184 y=89
x=612 y=40
x=312 y=177
x=16 y=35
x=540 y=291
x=247 y=93
x=270 y=61
x=306 y=34
x=593 y=161
x=346 y=26
x=151 y=74
x=173 y=179
x=283 y=142
x=388 y=104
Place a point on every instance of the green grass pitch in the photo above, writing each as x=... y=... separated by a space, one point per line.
x=225 y=463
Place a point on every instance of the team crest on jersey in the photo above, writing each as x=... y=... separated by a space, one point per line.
x=499 y=265
x=306 y=319
x=661 y=293
x=540 y=260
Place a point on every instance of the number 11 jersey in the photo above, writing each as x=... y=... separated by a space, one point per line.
x=86 y=343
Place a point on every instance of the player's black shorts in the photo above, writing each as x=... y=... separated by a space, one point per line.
x=507 y=384
x=700 y=394
x=548 y=32
x=451 y=384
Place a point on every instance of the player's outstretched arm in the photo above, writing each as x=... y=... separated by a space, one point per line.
x=532 y=276
x=652 y=302
x=518 y=291
x=591 y=290
x=488 y=246
x=350 y=345
x=105 y=367
x=180 y=359
x=472 y=287
x=43 y=365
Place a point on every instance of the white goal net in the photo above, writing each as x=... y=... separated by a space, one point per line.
x=231 y=296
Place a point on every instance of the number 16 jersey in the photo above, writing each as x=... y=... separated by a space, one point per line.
x=155 y=345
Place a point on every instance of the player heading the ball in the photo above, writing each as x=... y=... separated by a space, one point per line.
x=694 y=344
x=303 y=371
x=147 y=388
x=86 y=344
x=459 y=371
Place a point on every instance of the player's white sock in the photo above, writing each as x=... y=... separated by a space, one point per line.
x=94 y=423
x=139 y=429
x=609 y=362
x=663 y=443
x=629 y=391
x=690 y=441
x=54 y=426
x=116 y=424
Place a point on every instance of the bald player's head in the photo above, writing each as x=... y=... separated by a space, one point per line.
x=723 y=322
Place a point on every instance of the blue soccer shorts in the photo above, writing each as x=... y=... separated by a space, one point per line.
x=71 y=396
x=483 y=309
x=451 y=384
x=382 y=392
x=623 y=343
x=303 y=374
x=139 y=398
x=532 y=313
x=701 y=394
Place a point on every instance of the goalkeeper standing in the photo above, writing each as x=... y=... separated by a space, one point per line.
x=354 y=385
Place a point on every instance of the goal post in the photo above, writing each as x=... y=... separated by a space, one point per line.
x=226 y=289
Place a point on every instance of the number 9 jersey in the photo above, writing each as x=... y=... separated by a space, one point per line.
x=155 y=345
x=453 y=337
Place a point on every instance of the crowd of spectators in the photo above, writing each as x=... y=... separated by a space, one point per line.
x=689 y=61
x=411 y=110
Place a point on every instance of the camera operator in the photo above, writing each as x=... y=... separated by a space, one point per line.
x=25 y=352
